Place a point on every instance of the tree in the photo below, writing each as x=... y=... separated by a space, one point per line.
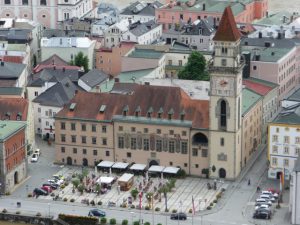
x=195 y=69
x=75 y=182
x=81 y=61
x=134 y=193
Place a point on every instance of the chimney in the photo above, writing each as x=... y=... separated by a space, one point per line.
x=259 y=34
x=147 y=83
x=279 y=35
x=64 y=69
x=267 y=14
x=203 y=7
x=117 y=80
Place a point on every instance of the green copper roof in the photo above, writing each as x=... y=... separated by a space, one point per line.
x=8 y=128
x=10 y=91
x=274 y=19
x=249 y=99
x=146 y=53
x=292 y=118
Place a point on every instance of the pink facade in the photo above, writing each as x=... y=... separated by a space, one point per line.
x=171 y=13
x=283 y=72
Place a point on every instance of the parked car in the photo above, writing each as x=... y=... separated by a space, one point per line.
x=261 y=201
x=39 y=191
x=53 y=186
x=262 y=215
x=58 y=177
x=262 y=206
x=273 y=191
x=275 y=195
x=47 y=188
x=178 y=216
x=38 y=152
x=34 y=157
x=268 y=198
x=97 y=213
x=58 y=182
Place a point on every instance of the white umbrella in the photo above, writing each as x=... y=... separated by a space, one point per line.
x=96 y=170
x=110 y=171
x=162 y=175
x=147 y=176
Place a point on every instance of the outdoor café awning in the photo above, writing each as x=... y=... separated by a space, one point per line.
x=125 y=177
x=120 y=165
x=106 y=164
x=157 y=169
x=105 y=180
x=171 y=169
x=138 y=167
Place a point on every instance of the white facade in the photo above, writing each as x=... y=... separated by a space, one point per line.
x=294 y=203
x=283 y=148
x=67 y=48
x=44 y=119
x=113 y=35
x=142 y=18
x=144 y=39
x=73 y=8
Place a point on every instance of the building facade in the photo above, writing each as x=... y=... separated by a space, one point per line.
x=46 y=12
x=294 y=207
x=13 y=155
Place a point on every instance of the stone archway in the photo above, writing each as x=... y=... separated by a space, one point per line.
x=16 y=178
x=69 y=161
x=153 y=163
x=222 y=173
x=200 y=139
x=85 y=162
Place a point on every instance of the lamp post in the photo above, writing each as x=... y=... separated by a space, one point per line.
x=26 y=189
x=131 y=217
x=49 y=209
x=152 y=201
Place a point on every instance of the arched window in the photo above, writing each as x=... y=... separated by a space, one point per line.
x=223 y=119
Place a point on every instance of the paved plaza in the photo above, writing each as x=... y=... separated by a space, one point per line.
x=180 y=198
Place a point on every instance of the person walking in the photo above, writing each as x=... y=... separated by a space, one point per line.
x=249 y=182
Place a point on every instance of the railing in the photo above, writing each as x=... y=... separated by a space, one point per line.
x=212 y=68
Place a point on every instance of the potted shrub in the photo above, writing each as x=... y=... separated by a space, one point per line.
x=174 y=211
x=92 y=202
x=136 y=223
x=125 y=222
x=99 y=203
x=190 y=210
x=29 y=195
x=80 y=188
x=157 y=209
x=18 y=212
x=147 y=207
x=146 y=223
x=38 y=214
x=132 y=206
x=215 y=201
x=103 y=220
x=65 y=199
x=112 y=221
x=4 y=210
x=72 y=200
x=208 y=208
x=134 y=193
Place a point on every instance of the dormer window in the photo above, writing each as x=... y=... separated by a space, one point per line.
x=182 y=115
x=149 y=112
x=125 y=110
x=159 y=113
x=224 y=50
x=72 y=106
x=137 y=111
x=7 y=115
x=19 y=116
x=170 y=113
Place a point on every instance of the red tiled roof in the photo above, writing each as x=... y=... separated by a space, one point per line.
x=227 y=30
x=13 y=59
x=13 y=106
x=143 y=96
x=54 y=60
x=39 y=68
x=259 y=88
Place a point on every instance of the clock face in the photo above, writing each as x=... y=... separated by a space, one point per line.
x=223 y=83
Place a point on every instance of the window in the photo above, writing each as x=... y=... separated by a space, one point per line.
x=107 y=153
x=121 y=142
x=120 y=128
x=43 y=2
x=183 y=133
x=94 y=140
x=286 y=139
x=47 y=123
x=204 y=153
x=297 y=151
x=7 y=2
x=95 y=152
x=180 y=62
x=184 y=147
x=84 y=151
x=274 y=161
x=286 y=150
x=197 y=165
x=171 y=146
x=275 y=149
x=63 y=150
x=158 y=131
x=171 y=132
x=83 y=127
x=224 y=50
x=223 y=114
x=73 y=126
x=39 y=110
x=170 y=62
x=222 y=141
x=145 y=130
x=93 y=128
x=63 y=138
x=103 y=129
x=286 y=162
x=62 y=125
x=40 y=120
x=297 y=140
x=185 y=164
x=195 y=152
x=277 y=129
x=275 y=138
x=104 y=141
x=36 y=94
x=224 y=62
x=128 y=154
x=159 y=145
x=146 y=144
x=83 y=139
x=132 y=129
x=74 y=150
x=254 y=67
x=73 y=138
x=133 y=143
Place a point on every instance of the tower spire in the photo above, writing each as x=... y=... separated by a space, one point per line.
x=227 y=30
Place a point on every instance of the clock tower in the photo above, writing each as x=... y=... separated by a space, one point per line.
x=226 y=100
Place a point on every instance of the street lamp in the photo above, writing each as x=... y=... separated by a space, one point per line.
x=49 y=209
x=131 y=217
x=26 y=189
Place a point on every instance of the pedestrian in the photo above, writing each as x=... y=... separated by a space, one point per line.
x=258 y=189
x=249 y=182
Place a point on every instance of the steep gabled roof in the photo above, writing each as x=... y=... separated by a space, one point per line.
x=227 y=30
x=13 y=107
